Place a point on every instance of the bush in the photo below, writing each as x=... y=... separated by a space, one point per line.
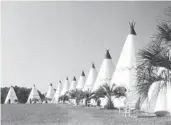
x=4 y=92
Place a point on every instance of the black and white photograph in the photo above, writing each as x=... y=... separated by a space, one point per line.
x=85 y=62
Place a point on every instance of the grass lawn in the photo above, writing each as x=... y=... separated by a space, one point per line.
x=51 y=114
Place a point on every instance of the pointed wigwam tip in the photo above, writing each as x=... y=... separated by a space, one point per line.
x=34 y=85
x=50 y=84
x=60 y=81
x=82 y=74
x=74 y=79
x=93 y=66
x=107 y=56
x=66 y=78
x=132 y=30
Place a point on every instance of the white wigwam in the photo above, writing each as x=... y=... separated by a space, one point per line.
x=105 y=73
x=162 y=107
x=149 y=103
x=158 y=100
x=65 y=87
x=34 y=96
x=161 y=102
x=51 y=92
x=125 y=73
x=73 y=84
x=11 y=96
x=91 y=78
x=58 y=92
x=81 y=81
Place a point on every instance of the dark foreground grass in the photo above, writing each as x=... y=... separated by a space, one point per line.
x=51 y=114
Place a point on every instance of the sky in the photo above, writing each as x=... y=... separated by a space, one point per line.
x=43 y=42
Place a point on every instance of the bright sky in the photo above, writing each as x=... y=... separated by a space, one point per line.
x=43 y=42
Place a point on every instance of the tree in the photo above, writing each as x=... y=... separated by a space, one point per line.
x=154 y=57
x=87 y=95
x=120 y=91
x=105 y=91
x=42 y=96
x=64 y=98
x=4 y=92
x=22 y=93
x=76 y=94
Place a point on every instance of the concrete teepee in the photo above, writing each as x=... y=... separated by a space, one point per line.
x=161 y=102
x=34 y=96
x=105 y=73
x=91 y=78
x=158 y=100
x=125 y=73
x=73 y=84
x=65 y=86
x=58 y=92
x=51 y=92
x=81 y=81
x=11 y=96
x=149 y=103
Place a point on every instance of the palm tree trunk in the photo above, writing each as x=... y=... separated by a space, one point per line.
x=85 y=102
x=110 y=103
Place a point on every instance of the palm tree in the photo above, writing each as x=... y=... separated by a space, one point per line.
x=64 y=98
x=87 y=95
x=154 y=57
x=105 y=91
x=76 y=94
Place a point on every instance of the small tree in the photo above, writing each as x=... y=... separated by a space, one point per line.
x=105 y=91
x=4 y=92
x=120 y=91
x=76 y=94
x=64 y=98
x=87 y=95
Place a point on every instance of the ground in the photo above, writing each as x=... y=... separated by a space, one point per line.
x=52 y=114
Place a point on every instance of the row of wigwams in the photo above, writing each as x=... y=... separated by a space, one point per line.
x=106 y=72
x=125 y=68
